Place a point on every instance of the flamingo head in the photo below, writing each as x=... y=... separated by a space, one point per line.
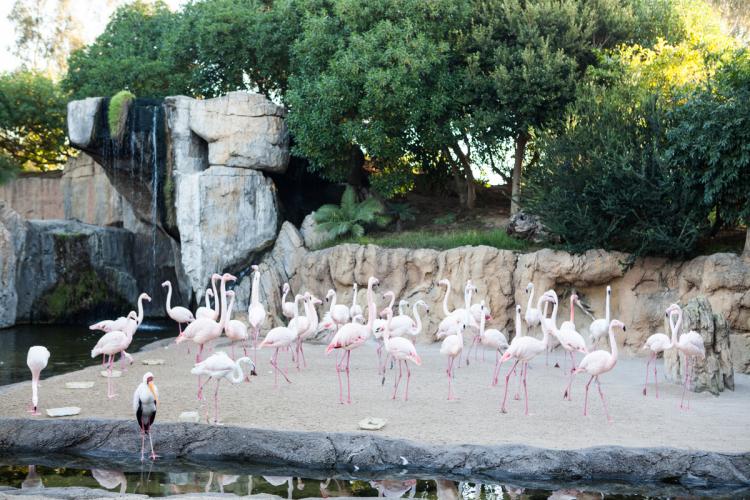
x=471 y=287
x=254 y=267
x=616 y=323
x=373 y=282
x=384 y=312
x=285 y=288
x=423 y=304
x=672 y=309
x=230 y=293
x=166 y=283
x=609 y=290
x=530 y=287
x=228 y=277
x=145 y=297
x=331 y=293
x=518 y=308
x=133 y=315
x=444 y=282
x=388 y=294
x=215 y=276
x=315 y=301
x=550 y=296
x=574 y=299
x=210 y=292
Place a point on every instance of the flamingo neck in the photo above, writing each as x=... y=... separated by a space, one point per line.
x=519 y=330
x=169 y=297
x=223 y=319
x=236 y=375
x=417 y=318
x=393 y=301
x=312 y=315
x=254 y=293
x=370 y=308
x=229 y=309
x=676 y=328
x=208 y=304
x=283 y=295
x=606 y=310
x=333 y=301
x=140 y=309
x=531 y=298
x=354 y=296
x=445 y=300
x=481 y=324
x=215 y=296
x=572 y=310
x=612 y=344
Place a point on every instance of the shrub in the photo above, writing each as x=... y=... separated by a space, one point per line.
x=117 y=111
x=351 y=217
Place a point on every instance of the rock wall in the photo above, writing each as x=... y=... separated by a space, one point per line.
x=640 y=293
x=88 y=195
x=35 y=195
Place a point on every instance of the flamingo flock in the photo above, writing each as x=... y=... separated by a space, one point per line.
x=394 y=333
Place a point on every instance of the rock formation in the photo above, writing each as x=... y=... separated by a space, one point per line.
x=12 y=236
x=715 y=373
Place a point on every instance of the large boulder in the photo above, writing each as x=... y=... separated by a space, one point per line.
x=88 y=195
x=715 y=373
x=313 y=235
x=83 y=121
x=242 y=129
x=227 y=217
x=527 y=227
x=12 y=238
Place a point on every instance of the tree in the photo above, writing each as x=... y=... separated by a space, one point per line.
x=350 y=217
x=32 y=123
x=131 y=54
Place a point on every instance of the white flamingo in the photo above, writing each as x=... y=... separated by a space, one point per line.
x=337 y=315
x=36 y=360
x=599 y=327
x=110 y=344
x=492 y=338
x=234 y=329
x=178 y=314
x=220 y=366
x=691 y=345
x=401 y=350
x=207 y=312
x=659 y=342
x=533 y=315
x=281 y=337
x=287 y=308
x=355 y=310
x=256 y=313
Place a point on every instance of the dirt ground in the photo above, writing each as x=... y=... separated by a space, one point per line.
x=310 y=402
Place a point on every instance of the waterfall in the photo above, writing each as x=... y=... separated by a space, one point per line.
x=154 y=192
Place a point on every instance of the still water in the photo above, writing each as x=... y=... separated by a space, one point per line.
x=70 y=347
x=173 y=482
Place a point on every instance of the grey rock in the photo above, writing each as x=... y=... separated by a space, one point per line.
x=88 y=195
x=79 y=385
x=715 y=373
x=12 y=240
x=227 y=216
x=82 y=120
x=189 y=417
x=237 y=447
x=527 y=227
x=65 y=411
x=242 y=129
x=314 y=236
x=372 y=423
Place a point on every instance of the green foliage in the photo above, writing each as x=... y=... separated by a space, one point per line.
x=32 y=123
x=133 y=54
x=445 y=220
x=351 y=217
x=401 y=212
x=442 y=240
x=604 y=183
x=117 y=111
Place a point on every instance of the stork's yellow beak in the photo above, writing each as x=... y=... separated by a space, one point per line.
x=153 y=391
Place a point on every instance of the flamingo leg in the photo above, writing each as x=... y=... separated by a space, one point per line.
x=570 y=379
x=496 y=370
x=397 y=380
x=256 y=332
x=586 y=398
x=650 y=359
x=339 y=368
x=656 y=379
x=518 y=376
x=604 y=402
x=348 y=379
x=216 y=401
x=408 y=377
x=525 y=371
x=275 y=363
x=302 y=354
x=110 y=391
x=507 y=380
x=685 y=385
x=449 y=372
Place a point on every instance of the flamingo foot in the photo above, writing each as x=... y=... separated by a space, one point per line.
x=644 y=391
x=154 y=456
x=556 y=365
x=111 y=396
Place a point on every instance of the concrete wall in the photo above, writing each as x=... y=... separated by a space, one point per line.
x=35 y=195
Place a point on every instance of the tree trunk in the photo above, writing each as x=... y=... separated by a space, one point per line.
x=471 y=187
x=515 y=193
x=356 y=173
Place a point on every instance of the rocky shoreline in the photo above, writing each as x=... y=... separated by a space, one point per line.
x=235 y=447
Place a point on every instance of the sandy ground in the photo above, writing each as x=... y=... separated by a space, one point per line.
x=310 y=402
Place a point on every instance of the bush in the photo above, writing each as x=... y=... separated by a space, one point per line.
x=350 y=217
x=117 y=111
x=604 y=181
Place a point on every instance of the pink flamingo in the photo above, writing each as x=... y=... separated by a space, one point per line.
x=349 y=337
x=598 y=362
x=402 y=351
x=524 y=349
x=256 y=313
x=119 y=323
x=355 y=309
x=518 y=335
x=452 y=347
x=204 y=330
x=692 y=346
x=533 y=315
x=280 y=337
x=287 y=308
x=178 y=314
x=659 y=342
x=36 y=360
x=569 y=338
x=145 y=399
x=206 y=311
x=337 y=315
x=311 y=302
x=110 y=344
x=234 y=329
x=220 y=366
x=494 y=339
x=482 y=312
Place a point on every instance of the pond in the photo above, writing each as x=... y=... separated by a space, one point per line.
x=173 y=480
x=70 y=347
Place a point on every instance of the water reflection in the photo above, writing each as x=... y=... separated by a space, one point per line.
x=70 y=346
x=161 y=483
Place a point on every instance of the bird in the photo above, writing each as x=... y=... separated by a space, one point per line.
x=523 y=349
x=403 y=307
x=141 y=298
x=599 y=327
x=480 y=312
x=459 y=317
x=355 y=309
x=204 y=330
x=36 y=360
x=256 y=313
x=178 y=314
x=110 y=344
x=402 y=324
x=533 y=315
x=279 y=338
x=207 y=312
x=337 y=315
x=492 y=338
x=598 y=362
x=234 y=329
x=311 y=313
x=220 y=366
x=349 y=337
x=569 y=339
x=692 y=346
x=287 y=308
x=145 y=400
x=401 y=350
x=518 y=335
x=452 y=346
x=659 y=342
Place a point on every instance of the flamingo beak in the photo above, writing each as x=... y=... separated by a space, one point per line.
x=153 y=391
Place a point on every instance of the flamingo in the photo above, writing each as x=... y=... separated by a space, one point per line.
x=524 y=349
x=402 y=351
x=459 y=317
x=349 y=337
x=110 y=479
x=518 y=335
x=220 y=366
x=110 y=344
x=36 y=360
x=491 y=338
x=599 y=327
x=119 y=323
x=207 y=312
x=234 y=329
x=533 y=315
x=690 y=344
x=569 y=338
x=145 y=399
x=355 y=309
x=402 y=324
x=480 y=313
x=312 y=316
x=279 y=338
x=256 y=313
x=204 y=330
x=141 y=298
x=337 y=315
x=453 y=345
x=287 y=308
x=659 y=342
x=598 y=362
x=180 y=315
